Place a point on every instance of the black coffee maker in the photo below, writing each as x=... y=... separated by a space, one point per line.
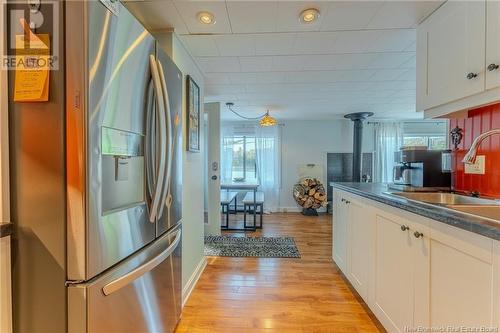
x=420 y=170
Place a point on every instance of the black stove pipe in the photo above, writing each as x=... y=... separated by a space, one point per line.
x=357 y=118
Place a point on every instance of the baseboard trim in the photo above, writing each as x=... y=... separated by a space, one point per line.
x=189 y=287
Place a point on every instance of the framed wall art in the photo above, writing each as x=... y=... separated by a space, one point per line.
x=193 y=115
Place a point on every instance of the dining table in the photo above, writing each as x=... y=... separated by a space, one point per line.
x=243 y=186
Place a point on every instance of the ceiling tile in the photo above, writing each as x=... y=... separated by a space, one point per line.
x=411 y=63
x=349 y=15
x=391 y=60
x=288 y=63
x=189 y=10
x=219 y=64
x=339 y=61
x=387 y=74
x=355 y=41
x=274 y=43
x=200 y=45
x=402 y=14
x=314 y=43
x=224 y=89
x=393 y=41
x=235 y=45
x=259 y=78
x=256 y=64
x=157 y=15
x=252 y=16
x=217 y=78
x=408 y=75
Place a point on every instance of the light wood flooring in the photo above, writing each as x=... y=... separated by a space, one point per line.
x=278 y=295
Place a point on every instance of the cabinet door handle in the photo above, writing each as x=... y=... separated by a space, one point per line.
x=492 y=67
x=471 y=76
x=347 y=202
x=404 y=227
x=418 y=234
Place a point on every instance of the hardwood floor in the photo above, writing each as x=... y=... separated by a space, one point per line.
x=278 y=295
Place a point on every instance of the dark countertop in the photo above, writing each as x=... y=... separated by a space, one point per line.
x=375 y=191
x=5 y=229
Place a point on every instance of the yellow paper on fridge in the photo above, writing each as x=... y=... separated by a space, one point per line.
x=31 y=82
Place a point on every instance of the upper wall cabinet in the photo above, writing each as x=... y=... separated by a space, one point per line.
x=455 y=47
x=493 y=44
x=451 y=53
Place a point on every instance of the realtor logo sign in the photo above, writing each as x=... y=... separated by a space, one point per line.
x=32 y=35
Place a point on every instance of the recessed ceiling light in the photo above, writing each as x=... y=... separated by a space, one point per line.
x=309 y=15
x=206 y=18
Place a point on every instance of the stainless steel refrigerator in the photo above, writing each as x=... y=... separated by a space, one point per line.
x=96 y=181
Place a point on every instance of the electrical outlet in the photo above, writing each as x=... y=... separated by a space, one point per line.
x=478 y=167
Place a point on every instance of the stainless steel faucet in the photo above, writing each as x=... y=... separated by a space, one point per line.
x=470 y=157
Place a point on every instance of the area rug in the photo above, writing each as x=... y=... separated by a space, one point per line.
x=261 y=247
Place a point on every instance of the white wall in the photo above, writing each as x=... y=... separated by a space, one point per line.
x=308 y=142
x=193 y=163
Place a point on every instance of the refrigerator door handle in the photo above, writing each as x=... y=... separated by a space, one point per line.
x=163 y=138
x=131 y=276
x=166 y=189
x=150 y=135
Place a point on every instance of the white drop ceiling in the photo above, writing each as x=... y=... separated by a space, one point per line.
x=359 y=56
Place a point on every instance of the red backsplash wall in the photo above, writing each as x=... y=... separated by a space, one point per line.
x=478 y=121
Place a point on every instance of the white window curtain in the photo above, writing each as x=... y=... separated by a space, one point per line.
x=388 y=140
x=267 y=158
x=226 y=161
x=268 y=144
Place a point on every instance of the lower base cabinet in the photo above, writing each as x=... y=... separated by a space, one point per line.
x=392 y=286
x=418 y=274
x=462 y=277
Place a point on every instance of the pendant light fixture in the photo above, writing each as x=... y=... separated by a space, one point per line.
x=265 y=120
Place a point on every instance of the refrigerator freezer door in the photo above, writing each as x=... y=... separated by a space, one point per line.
x=142 y=294
x=113 y=222
x=171 y=213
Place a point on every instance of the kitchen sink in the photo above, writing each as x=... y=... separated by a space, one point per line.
x=490 y=212
x=447 y=199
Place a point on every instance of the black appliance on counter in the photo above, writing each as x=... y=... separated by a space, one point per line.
x=422 y=170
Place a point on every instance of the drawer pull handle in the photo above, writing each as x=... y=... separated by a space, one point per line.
x=492 y=67
x=418 y=234
x=471 y=76
x=404 y=227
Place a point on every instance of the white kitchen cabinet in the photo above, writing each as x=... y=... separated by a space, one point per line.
x=5 y=286
x=492 y=44
x=444 y=277
x=461 y=275
x=340 y=218
x=451 y=53
x=360 y=229
x=399 y=270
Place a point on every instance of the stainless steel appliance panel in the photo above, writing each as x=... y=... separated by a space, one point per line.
x=37 y=195
x=172 y=210
x=118 y=78
x=141 y=294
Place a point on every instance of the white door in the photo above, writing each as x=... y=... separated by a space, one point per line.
x=455 y=40
x=212 y=174
x=340 y=222
x=359 y=245
x=492 y=44
x=393 y=286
